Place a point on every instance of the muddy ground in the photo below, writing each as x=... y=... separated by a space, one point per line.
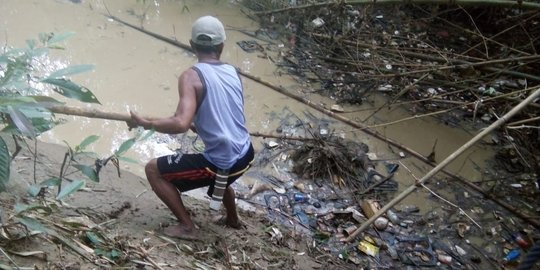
x=130 y=223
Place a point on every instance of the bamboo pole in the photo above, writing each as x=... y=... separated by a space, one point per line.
x=357 y=125
x=456 y=62
x=499 y=3
x=99 y=114
x=445 y=162
x=91 y=113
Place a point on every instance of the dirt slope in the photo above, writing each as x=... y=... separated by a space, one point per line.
x=126 y=216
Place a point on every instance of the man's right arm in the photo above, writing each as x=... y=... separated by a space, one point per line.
x=182 y=119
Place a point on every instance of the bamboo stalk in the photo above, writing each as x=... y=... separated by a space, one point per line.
x=91 y=113
x=499 y=3
x=281 y=137
x=524 y=121
x=431 y=57
x=445 y=162
x=99 y=114
x=353 y=124
x=396 y=97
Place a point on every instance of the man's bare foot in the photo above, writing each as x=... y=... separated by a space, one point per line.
x=223 y=220
x=181 y=232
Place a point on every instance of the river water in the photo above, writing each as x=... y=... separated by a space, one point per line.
x=134 y=71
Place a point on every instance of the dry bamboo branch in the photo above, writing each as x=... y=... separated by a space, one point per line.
x=467 y=65
x=524 y=121
x=439 y=196
x=479 y=32
x=431 y=57
x=499 y=3
x=483 y=38
x=498 y=34
x=447 y=161
x=396 y=97
x=460 y=105
x=281 y=137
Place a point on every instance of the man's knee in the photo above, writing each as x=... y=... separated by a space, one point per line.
x=151 y=169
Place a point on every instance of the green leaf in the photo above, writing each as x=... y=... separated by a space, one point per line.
x=88 y=172
x=23 y=124
x=45 y=99
x=21 y=208
x=39 y=52
x=5 y=161
x=114 y=254
x=70 y=89
x=126 y=159
x=111 y=255
x=44 y=37
x=32 y=224
x=146 y=135
x=94 y=239
x=3 y=59
x=125 y=146
x=33 y=190
x=51 y=182
x=59 y=37
x=86 y=142
x=70 y=71
x=31 y=43
x=70 y=188
x=40 y=125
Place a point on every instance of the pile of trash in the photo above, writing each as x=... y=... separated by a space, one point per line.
x=452 y=62
x=298 y=186
x=466 y=66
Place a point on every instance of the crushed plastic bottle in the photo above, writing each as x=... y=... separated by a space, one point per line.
x=511 y=256
x=392 y=216
x=300 y=197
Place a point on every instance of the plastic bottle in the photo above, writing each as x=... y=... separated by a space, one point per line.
x=512 y=255
x=219 y=189
x=516 y=237
x=392 y=216
x=300 y=197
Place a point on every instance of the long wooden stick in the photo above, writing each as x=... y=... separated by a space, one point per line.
x=91 y=113
x=353 y=124
x=445 y=162
x=99 y=114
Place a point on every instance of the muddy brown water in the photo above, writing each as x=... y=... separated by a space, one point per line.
x=134 y=71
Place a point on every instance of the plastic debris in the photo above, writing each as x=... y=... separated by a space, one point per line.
x=392 y=216
x=381 y=223
x=337 y=108
x=512 y=255
x=368 y=248
x=317 y=22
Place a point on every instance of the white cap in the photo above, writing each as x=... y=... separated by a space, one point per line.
x=207 y=31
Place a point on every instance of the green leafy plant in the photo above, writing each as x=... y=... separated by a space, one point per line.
x=25 y=90
x=26 y=93
x=72 y=159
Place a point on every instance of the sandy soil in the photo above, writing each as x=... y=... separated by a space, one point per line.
x=128 y=217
